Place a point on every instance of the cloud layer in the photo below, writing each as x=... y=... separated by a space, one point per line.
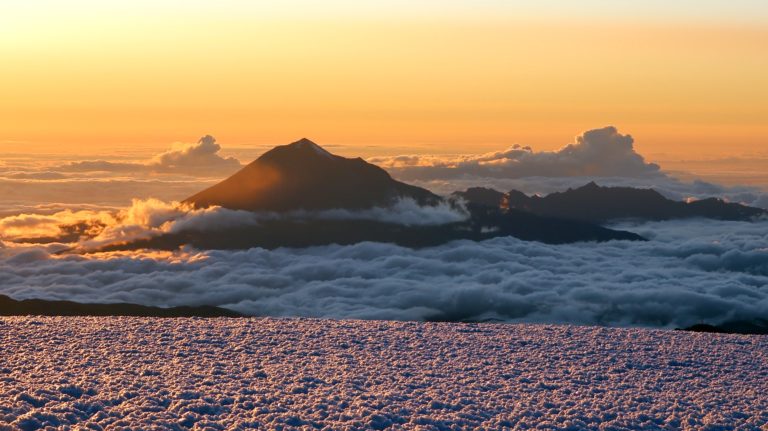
x=597 y=153
x=689 y=272
x=175 y=174
x=604 y=155
x=87 y=229
x=200 y=158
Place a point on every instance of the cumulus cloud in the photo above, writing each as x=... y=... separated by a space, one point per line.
x=194 y=157
x=28 y=226
x=175 y=174
x=689 y=272
x=89 y=229
x=602 y=155
x=200 y=158
x=597 y=153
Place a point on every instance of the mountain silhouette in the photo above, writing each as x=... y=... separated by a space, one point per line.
x=304 y=176
x=750 y=327
x=483 y=223
x=481 y=196
x=42 y=307
x=596 y=204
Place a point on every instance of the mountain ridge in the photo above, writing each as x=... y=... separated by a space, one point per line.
x=598 y=204
x=304 y=176
x=44 y=307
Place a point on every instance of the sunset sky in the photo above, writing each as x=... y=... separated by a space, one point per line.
x=591 y=162
x=688 y=79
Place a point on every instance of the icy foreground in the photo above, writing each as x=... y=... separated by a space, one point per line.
x=134 y=373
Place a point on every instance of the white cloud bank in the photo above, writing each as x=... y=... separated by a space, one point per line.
x=176 y=174
x=597 y=153
x=200 y=158
x=147 y=218
x=689 y=272
x=602 y=155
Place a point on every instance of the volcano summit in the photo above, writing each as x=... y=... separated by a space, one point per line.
x=302 y=195
x=304 y=176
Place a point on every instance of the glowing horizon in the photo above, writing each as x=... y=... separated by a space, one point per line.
x=687 y=80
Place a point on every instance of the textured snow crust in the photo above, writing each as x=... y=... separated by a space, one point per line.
x=306 y=374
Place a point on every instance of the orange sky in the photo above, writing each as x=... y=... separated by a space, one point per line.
x=87 y=78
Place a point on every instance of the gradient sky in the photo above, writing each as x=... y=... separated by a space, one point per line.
x=687 y=79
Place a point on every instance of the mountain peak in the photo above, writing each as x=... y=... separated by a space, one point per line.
x=306 y=144
x=302 y=142
x=303 y=175
x=590 y=186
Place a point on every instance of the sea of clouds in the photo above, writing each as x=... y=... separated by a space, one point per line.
x=87 y=229
x=689 y=272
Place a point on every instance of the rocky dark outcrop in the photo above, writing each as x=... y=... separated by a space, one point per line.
x=753 y=327
x=595 y=204
x=481 y=196
x=481 y=225
x=41 y=307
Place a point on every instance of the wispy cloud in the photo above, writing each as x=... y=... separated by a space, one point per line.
x=171 y=175
x=200 y=158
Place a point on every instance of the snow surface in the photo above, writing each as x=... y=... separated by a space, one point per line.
x=133 y=373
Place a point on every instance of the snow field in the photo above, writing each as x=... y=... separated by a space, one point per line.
x=308 y=374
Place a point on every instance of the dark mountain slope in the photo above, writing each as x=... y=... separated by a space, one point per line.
x=41 y=307
x=754 y=327
x=481 y=196
x=302 y=175
x=596 y=204
x=484 y=223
